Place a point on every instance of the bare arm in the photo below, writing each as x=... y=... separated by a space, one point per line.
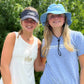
x=39 y=64
x=0 y=69
x=0 y=66
x=81 y=60
x=6 y=58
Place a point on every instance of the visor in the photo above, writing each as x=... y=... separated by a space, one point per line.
x=29 y=14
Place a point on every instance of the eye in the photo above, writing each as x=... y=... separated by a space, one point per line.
x=32 y=21
x=25 y=20
x=52 y=16
x=59 y=15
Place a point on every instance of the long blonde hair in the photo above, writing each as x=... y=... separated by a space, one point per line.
x=48 y=38
x=27 y=8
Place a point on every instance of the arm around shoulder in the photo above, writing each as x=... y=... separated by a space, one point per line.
x=39 y=64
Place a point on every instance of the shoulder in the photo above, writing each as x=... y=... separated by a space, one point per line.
x=39 y=43
x=10 y=37
x=11 y=34
x=38 y=40
x=76 y=34
x=77 y=38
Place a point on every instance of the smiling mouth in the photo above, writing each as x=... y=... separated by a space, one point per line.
x=29 y=27
x=56 y=21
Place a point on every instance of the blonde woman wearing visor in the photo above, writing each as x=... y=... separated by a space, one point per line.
x=21 y=51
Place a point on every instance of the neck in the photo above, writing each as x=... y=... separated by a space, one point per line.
x=57 y=31
x=27 y=35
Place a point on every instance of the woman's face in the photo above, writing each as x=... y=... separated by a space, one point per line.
x=28 y=24
x=56 y=20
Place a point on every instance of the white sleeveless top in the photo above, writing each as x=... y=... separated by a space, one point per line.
x=22 y=63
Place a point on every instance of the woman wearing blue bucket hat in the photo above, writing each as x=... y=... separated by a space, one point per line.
x=62 y=48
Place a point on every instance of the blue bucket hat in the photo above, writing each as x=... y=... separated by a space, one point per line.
x=56 y=9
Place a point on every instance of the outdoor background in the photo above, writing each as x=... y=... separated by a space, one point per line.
x=10 y=19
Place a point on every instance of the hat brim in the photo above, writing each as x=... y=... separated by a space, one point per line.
x=44 y=16
x=26 y=17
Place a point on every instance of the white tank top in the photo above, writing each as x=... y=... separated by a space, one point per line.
x=22 y=62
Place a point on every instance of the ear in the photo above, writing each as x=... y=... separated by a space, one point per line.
x=65 y=22
x=37 y=24
x=20 y=21
x=65 y=19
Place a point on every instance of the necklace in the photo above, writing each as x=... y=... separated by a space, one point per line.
x=30 y=39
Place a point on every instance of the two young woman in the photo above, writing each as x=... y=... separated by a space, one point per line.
x=61 y=47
